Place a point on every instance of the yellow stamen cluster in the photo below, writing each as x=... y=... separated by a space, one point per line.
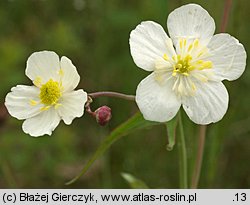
x=50 y=93
x=183 y=65
x=188 y=58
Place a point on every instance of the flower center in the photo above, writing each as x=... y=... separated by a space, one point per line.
x=189 y=57
x=187 y=65
x=50 y=92
x=183 y=65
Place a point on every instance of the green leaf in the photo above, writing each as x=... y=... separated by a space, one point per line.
x=133 y=182
x=171 y=132
x=135 y=122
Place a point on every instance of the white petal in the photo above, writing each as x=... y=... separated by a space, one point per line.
x=149 y=42
x=227 y=55
x=157 y=102
x=43 y=64
x=209 y=104
x=72 y=105
x=18 y=101
x=70 y=77
x=42 y=124
x=191 y=21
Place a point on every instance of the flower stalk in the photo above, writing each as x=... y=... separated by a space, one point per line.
x=112 y=94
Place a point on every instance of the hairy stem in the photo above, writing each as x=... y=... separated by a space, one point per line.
x=198 y=163
x=112 y=94
x=227 y=8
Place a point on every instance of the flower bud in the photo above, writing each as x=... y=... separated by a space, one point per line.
x=103 y=115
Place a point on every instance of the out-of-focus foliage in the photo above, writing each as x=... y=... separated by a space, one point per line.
x=94 y=35
x=133 y=182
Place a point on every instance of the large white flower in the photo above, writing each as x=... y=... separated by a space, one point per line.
x=52 y=97
x=187 y=68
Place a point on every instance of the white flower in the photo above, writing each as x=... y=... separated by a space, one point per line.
x=187 y=68
x=51 y=98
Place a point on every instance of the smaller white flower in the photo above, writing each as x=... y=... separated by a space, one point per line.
x=187 y=68
x=51 y=98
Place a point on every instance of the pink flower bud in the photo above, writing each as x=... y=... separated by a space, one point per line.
x=103 y=115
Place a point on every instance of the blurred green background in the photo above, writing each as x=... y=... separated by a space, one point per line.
x=94 y=35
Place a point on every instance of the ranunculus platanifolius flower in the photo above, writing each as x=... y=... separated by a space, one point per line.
x=187 y=68
x=52 y=97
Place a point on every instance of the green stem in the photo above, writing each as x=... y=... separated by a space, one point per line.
x=112 y=94
x=182 y=156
